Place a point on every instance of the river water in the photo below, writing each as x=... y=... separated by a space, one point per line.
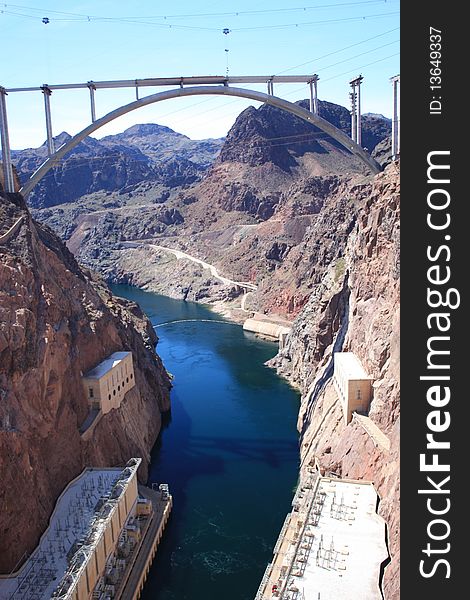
x=229 y=452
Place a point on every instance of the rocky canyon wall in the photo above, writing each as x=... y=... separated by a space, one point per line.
x=57 y=321
x=354 y=306
x=284 y=208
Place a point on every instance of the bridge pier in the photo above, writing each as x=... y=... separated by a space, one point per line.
x=359 y=128
x=314 y=94
x=47 y=107
x=9 y=181
x=395 y=120
x=352 y=96
x=355 y=95
x=92 y=88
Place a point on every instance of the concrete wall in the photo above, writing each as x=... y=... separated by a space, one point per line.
x=92 y=572
x=273 y=330
x=88 y=433
x=359 y=396
x=82 y=587
x=100 y=555
x=93 y=392
x=153 y=549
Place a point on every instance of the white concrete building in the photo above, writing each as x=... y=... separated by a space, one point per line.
x=353 y=385
x=100 y=541
x=107 y=383
x=332 y=545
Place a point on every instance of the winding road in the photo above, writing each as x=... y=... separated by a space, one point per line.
x=179 y=254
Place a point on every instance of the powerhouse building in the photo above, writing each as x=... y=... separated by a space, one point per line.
x=353 y=385
x=107 y=383
x=101 y=540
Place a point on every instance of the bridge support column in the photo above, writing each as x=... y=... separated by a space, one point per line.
x=352 y=95
x=270 y=87
x=47 y=107
x=92 y=89
x=395 y=120
x=313 y=83
x=358 y=121
x=9 y=181
x=355 y=95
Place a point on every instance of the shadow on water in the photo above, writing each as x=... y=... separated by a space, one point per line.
x=176 y=460
x=209 y=542
x=271 y=452
x=228 y=450
x=234 y=346
x=175 y=463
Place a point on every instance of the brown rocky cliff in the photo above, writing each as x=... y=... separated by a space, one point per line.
x=55 y=323
x=275 y=178
x=354 y=306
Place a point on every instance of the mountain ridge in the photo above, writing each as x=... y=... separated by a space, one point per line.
x=149 y=153
x=142 y=153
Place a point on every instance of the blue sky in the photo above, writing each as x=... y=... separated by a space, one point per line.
x=105 y=40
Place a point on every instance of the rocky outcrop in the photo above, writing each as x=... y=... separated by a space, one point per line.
x=383 y=151
x=269 y=134
x=57 y=321
x=276 y=180
x=92 y=166
x=354 y=306
x=375 y=129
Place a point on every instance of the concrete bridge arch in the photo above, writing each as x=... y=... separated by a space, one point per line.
x=290 y=107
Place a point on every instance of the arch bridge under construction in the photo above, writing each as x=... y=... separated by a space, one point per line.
x=190 y=86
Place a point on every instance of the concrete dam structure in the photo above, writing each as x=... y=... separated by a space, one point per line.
x=271 y=327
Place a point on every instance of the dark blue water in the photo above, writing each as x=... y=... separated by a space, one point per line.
x=229 y=452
